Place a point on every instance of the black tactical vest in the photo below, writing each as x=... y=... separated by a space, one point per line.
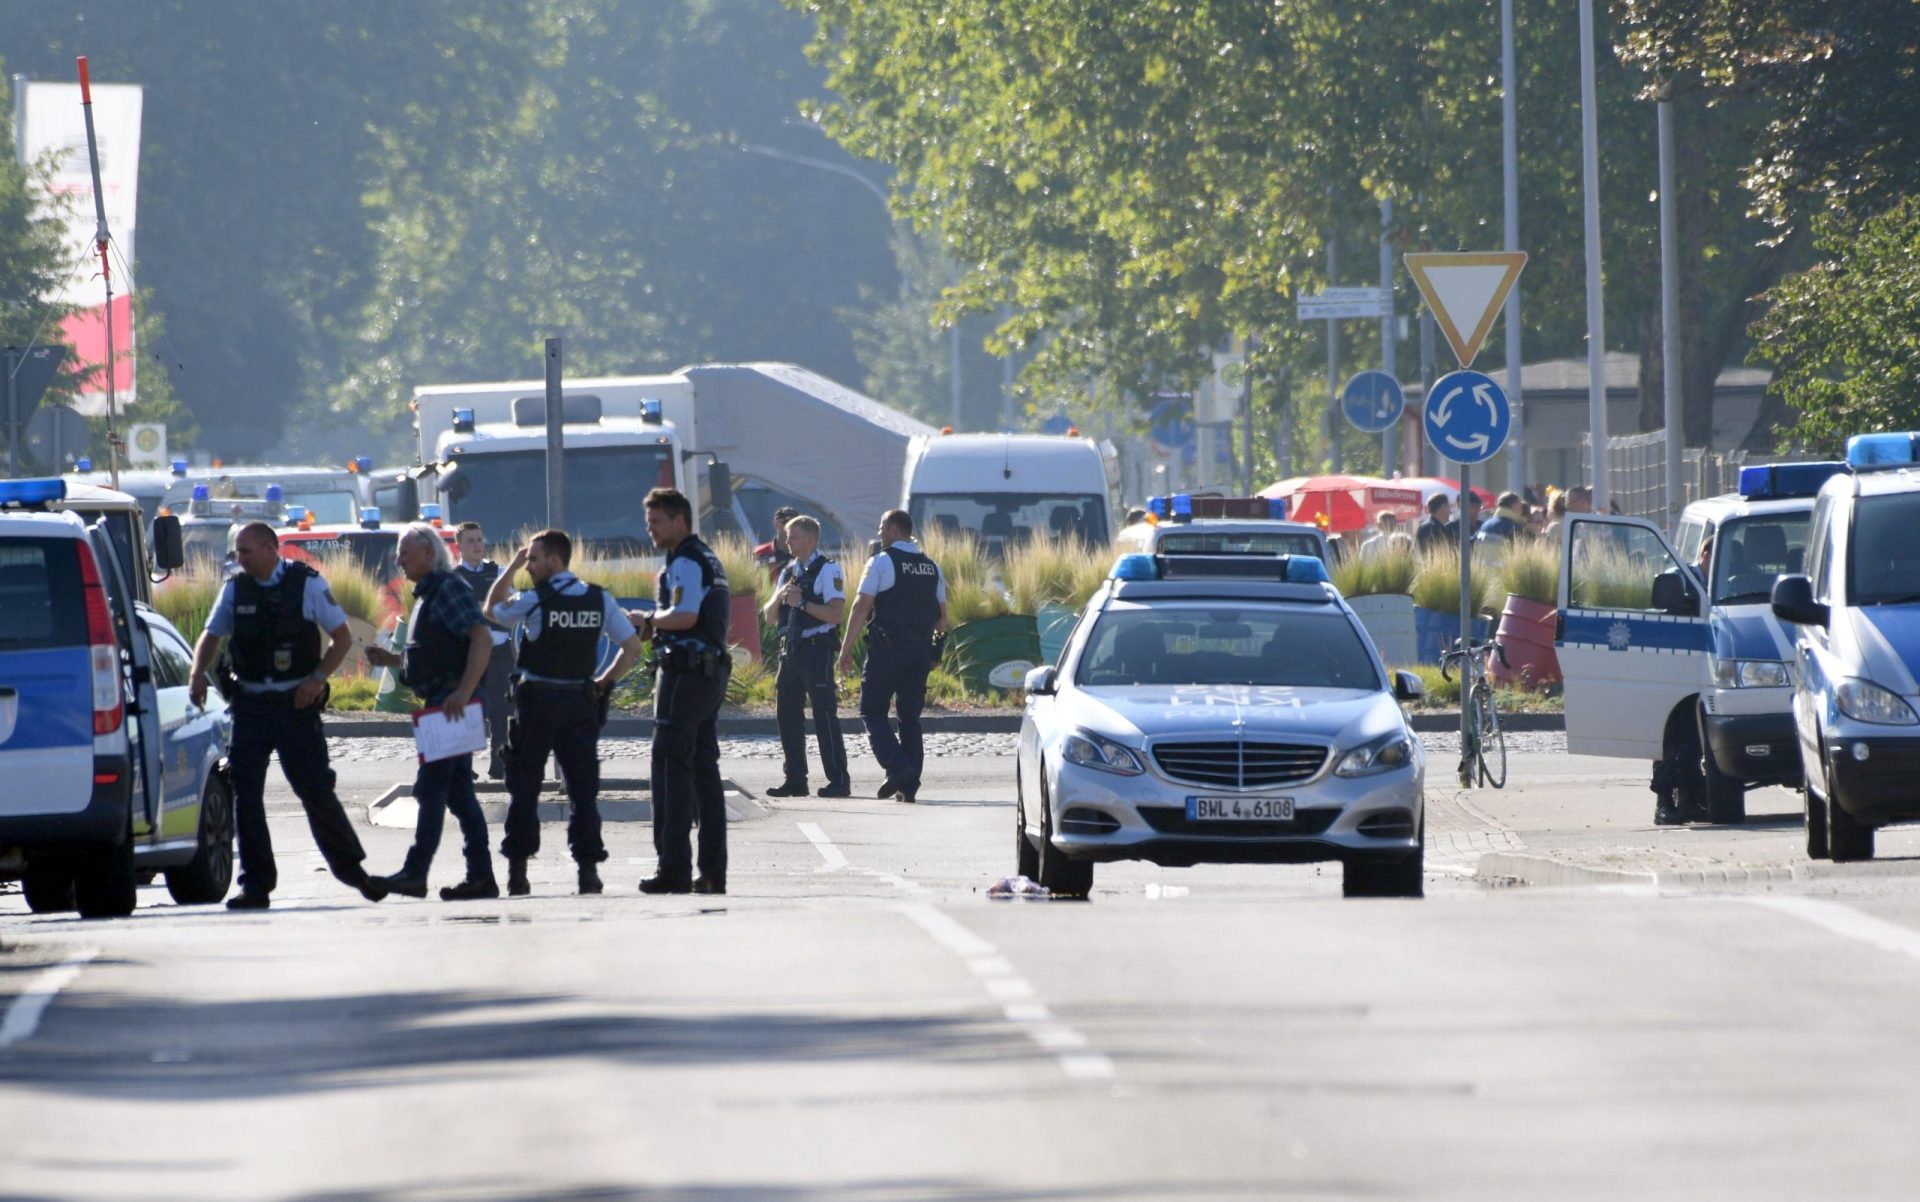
x=795 y=622
x=568 y=647
x=273 y=639
x=436 y=658
x=906 y=613
x=480 y=580
x=711 y=629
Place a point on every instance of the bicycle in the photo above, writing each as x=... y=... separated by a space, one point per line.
x=1483 y=743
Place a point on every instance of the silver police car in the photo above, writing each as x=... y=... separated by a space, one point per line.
x=1220 y=710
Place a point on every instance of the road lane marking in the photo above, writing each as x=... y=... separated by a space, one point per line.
x=834 y=857
x=1847 y=922
x=23 y=1017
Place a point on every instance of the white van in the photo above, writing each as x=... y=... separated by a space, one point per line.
x=1010 y=488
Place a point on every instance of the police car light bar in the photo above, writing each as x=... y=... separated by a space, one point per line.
x=1767 y=481
x=32 y=492
x=275 y=494
x=463 y=421
x=296 y=514
x=202 y=493
x=370 y=517
x=651 y=410
x=1287 y=569
x=179 y=467
x=1867 y=452
x=430 y=513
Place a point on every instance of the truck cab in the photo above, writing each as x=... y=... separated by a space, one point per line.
x=1681 y=662
x=1007 y=489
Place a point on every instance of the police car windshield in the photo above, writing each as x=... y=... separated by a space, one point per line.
x=1208 y=645
x=1214 y=542
x=1750 y=553
x=1883 y=556
x=507 y=492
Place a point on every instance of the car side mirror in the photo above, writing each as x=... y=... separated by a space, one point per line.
x=1793 y=602
x=1674 y=594
x=1040 y=681
x=1407 y=686
x=169 y=549
x=406 y=499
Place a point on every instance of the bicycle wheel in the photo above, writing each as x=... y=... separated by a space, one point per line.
x=1492 y=741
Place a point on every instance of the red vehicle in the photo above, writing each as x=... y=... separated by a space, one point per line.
x=375 y=549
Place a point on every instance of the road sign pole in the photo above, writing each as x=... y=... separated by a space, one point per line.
x=1510 y=194
x=1670 y=321
x=556 y=441
x=1333 y=366
x=1596 y=303
x=13 y=412
x=1386 y=329
x=1466 y=617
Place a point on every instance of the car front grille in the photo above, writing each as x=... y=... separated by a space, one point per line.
x=1239 y=765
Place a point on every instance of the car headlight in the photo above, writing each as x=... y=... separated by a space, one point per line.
x=1749 y=673
x=1381 y=755
x=1090 y=749
x=1865 y=701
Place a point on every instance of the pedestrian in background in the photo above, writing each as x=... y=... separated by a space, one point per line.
x=808 y=603
x=274 y=611
x=1509 y=518
x=688 y=627
x=448 y=646
x=480 y=572
x=774 y=552
x=905 y=595
x=1436 y=531
x=559 y=704
x=1386 y=524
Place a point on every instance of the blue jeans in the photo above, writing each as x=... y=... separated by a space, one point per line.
x=438 y=787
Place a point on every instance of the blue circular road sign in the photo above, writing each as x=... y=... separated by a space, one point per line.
x=1467 y=417
x=1373 y=401
x=1172 y=422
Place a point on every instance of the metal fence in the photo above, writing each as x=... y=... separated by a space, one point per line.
x=1637 y=472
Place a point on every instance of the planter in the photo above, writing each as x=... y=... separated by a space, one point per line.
x=1055 y=623
x=994 y=653
x=1436 y=630
x=1526 y=633
x=1388 y=618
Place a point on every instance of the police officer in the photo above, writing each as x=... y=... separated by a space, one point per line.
x=480 y=572
x=688 y=628
x=448 y=645
x=273 y=611
x=557 y=699
x=809 y=599
x=906 y=596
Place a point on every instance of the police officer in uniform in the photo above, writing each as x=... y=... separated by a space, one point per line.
x=273 y=612
x=905 y=595
x=688 y=628
x=480 y=572
x=558 y=702
x=809 y=599
x=448 y=645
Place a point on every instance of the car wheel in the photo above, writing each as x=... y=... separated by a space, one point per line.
x=1848 y=838
x=1678 y=787
x=48 y=892
x=1816 y=817
x=1405 y=877
x=1062 y=876
x=1026 y=855
x=104 y=884
x=1726 y=797
x=206 y=878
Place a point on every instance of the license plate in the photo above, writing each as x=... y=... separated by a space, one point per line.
x=1240 y=809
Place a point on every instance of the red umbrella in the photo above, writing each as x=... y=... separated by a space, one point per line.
x=1429 y=484
x=1336 y=504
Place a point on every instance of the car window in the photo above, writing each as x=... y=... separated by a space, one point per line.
x=1749 y=554
x=40 y=594
x=1883 y=561
x=1820 y=548
x=1613 y=565
x=172 y=665
x=1208 y=542
x=1177 y=645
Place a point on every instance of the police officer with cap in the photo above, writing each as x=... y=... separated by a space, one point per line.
x=273 y=611
x=558 y=701
x=479 y=572
x=688 y=628
x=809 y=599
x=905 y=595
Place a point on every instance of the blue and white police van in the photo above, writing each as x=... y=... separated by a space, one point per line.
x=1855 y=612
x=1682 y=663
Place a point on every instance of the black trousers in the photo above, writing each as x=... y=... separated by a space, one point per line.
x=686 y=773
x=896 y=678
x=806 y=675
x=261 y=728
x=493 y=690
x=564 y=722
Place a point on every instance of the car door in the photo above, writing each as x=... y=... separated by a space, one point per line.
x=1626 y=661
x=143 y=704
x=185 y=732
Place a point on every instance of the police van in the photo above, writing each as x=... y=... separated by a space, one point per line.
x=1855 y=613
x=1682 y=663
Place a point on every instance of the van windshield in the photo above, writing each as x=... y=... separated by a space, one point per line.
x=1749 y=554
x=1006 y=519
x=1883 y=559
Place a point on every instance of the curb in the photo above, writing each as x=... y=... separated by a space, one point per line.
x=1546 y=871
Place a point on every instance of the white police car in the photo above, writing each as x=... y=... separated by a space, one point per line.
x=1688 y=669
x=109 y=772
x=1183 y=524
x=1856 y=613
x=1220 y=710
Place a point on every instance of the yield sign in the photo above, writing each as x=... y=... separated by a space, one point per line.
x=1465 y=292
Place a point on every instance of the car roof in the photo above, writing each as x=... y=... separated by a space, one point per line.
x=30 y=523
x=1733 y=505
x=1882 y=482
x=1215 y=589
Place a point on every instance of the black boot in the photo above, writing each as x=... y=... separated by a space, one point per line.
x=788 y=789
x=660 y=882
x=590 y=879
x=471 y=890
x=517 y=884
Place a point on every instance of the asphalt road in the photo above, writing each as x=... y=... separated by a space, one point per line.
x=1691 y=1015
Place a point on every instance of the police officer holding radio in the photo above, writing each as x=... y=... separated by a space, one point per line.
x=688 y=628
x=273 y=612
x=559 y=704
x=809 y=599
x=479 y=572
x=905 y=595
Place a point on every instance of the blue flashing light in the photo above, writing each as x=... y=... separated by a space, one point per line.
x=179 y=467
x=1135 y=567
x=1182 y=505
x=37 y=491
x=83 y=464
x=651 y=410
x=1277 y=508
x=296 y=514
x=1157 y=506
x=1769 y=480
x=202 y=493
x=370 y=516
x=275 y=493
x=1866 y=452
x=364 y=463
x=430 y=512
x=1305 y=569
x=463 y=421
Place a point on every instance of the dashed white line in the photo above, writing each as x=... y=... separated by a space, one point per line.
x=23 y=1017
x=1847 y=922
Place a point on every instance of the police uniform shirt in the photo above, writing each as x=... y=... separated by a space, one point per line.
x=316 y=605
x=524 y=608
x=878 y=577
x=830 y=585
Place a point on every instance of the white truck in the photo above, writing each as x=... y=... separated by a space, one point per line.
x=1009 y=488
x=738 y=439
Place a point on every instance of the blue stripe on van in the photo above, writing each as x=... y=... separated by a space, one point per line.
x=1631 y=630
x=55 y=706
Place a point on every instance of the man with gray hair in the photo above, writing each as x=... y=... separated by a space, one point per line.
x=448 y=645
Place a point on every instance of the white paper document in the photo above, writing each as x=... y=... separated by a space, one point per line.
x=438 y=738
